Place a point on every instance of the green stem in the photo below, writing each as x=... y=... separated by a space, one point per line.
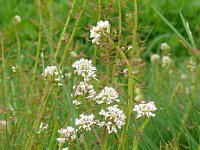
x=130 y=95
x=105 y=144
x=37 y=57
x=189 y=109
x=73 y=33
x=99 y=17
x=136 y=139
x=134 y=42
x=18 y=46
x=36 y=122
x=119 y=43
x=64 y=29
x=4 y=72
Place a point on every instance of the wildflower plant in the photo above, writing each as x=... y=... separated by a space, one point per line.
x=114 y=119
x=51 y=74
x=104 y=108
x=145 y=109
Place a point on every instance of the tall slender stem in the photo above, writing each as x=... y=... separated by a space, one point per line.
x=64 y=29
x=18 y=46
x=37 y=56
x=73 y=33
x=36 y=122
x=189 y=109
x=119 y=42
x=130 y=95
x=136 y=139
x=135 y=26
x=99 y=17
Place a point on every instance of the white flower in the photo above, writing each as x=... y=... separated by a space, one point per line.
x=166 y=61
x=14 y=68
x=183 y=76
x=129 y=47
x=66 y=148
x=84 y=68
x=164 y=46
x=85 y=122
x=108 y=95
x=67 y=134
x=114 y=118
x=155 y=57
x=145 y=109
x=84 y=88
x=68 y=75
x=76 y=102
x=17 y=19
x=42 y=127
x=51 y=74
x=98 y=32
x=61 y=140
x=73 y=54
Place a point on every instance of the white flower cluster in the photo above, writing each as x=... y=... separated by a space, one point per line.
x=108 y=95
x=114 y=117
x=84 y=88
x=76 y=102
x=67 y=134
x=51 y=74
x=85 y=122
x=14 y=68
x=17 y=19
x=164 y=46
x=145 y=109
x=98 y=33
x=155 y=58
x=42 y=127
x=166 y=61
x=84 y=68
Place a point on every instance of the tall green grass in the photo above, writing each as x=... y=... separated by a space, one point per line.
x=56 y=28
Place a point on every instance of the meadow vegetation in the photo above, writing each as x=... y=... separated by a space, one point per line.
x=92 y=74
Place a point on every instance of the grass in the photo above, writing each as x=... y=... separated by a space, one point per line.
x=47 y=34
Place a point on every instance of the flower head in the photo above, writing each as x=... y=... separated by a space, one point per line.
x=164 y=46
x=84 y=68
x=85 y=122
x=98 y=32
x=113 y=118
x=166 y=61
x=51 y=74
x=108 y=95
x=145 y=109
x=84 y=88
x=17 y=19
x=42 y=127
x=155 y=57
x=67 y=134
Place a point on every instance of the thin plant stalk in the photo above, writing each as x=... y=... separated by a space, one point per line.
x=36 y=122
x=136 y=139
x=130 y=95
x=18 y=46
x=99 y=17
x=37 y=56
x=64 y=29
x=119 y=42
x=105 y=144
x=134 y=42
x=73 y=33
x=189 y=109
